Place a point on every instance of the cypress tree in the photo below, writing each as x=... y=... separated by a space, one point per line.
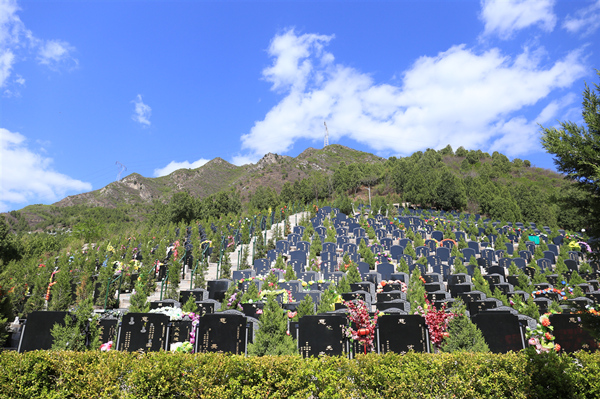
x=352 y=274
x=459 y=267
x=343 y=286
x=306 y=307
x=327 y=300
x=415 y=294
x=272 y=338
x=251 y=294
x=80 y=331
x=464 y=335
x=190 y=305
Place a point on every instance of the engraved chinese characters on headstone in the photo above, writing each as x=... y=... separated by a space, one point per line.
x=222 y=332
x=180 y=331
x=107 y=330
x=402 y=333
x=145 y=332
x=502 y=332
x=36 y=332
x=570 y=334
x=321 y=335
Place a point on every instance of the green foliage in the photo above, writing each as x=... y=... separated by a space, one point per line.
x=61 y=292
x=499 y=295
x=290 y=274
x=138 y=301
x=464 y=335
x=352 y=274
x=459 y=267
x=480 y=283
x=415 y=294
x=174 y=278
x=251 y=294
x=272 y=338
x=78 y=328
x=343 y=286
x=225 y=266
x=271 y=282
x=306 y=307
x=403 y=266
x=190 y=305
x=576 y=155
x=280 y=263
x=328 y=298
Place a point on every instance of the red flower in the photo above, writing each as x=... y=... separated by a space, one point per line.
x=557 y=347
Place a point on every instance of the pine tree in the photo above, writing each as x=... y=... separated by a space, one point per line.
x=138 y=301
x=403 y=266
x=272 y=338
x=306 y=307
x=80 y=331
x=416 y=291
x=352 y=274
x=459 y=267
x=327 y=300
x=409 y=250
x=464 y=335
x=225 y=266
x=480 y=283
x=279 y=263
x=173 y=282
x=200 y=275
x=454 y=251
x=271 y=282
x=232 y=292
x=251 y=295
x=190 y=305
x=343 y=286
x=290 y=274
x=62 y=294
x=499 y=295
x=473 y=261
x=330 y=237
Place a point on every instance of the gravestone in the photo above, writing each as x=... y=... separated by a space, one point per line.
x=208 y=306
x=322 y=335
x=402 y=333
x=199 y=294
x=165 y=303
x=144 y=332
x=36 y=331
x=222 y=333
x=107 y=330
x=570 y=334
x=502 y=332
x=179 y=331
x=218 y=288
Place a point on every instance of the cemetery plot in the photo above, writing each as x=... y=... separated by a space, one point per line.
x=402 y=333
x=36 y=331
x=321 y=335
x=502 y=332
x=144 y=332
x=222 y=333
x=570 y=334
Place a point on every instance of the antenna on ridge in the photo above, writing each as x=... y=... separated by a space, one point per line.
x=326 y=135
x=121 y=169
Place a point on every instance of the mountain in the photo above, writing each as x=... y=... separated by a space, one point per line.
x=217 y=175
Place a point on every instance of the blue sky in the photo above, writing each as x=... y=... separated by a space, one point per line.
x=159 y=85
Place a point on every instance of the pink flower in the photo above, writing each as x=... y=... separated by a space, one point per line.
x=106 y=347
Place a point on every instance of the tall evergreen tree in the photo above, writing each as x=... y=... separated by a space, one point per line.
x=272 y=338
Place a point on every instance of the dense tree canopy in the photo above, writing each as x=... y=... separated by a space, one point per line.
x=577 y=153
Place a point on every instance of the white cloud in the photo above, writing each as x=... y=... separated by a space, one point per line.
x=504 y=17
x=240 y=160
x=28 y=177
x=586 y=20
x=459 y=97
x=173 y=166
x=142 y=112
x=16 y=41
x=54 y=53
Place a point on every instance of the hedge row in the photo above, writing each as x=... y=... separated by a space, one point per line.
x=156 y=375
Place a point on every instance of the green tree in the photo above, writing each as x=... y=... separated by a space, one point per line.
x=576 y=153
x=80 y=331
x=464 y=335
x=272 y=338
x=416 y=290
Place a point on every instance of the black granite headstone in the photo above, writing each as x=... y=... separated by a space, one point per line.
x=107 y=330
x=36 y=331
x=502 y=332
x=321 y=335
x=219 y=332
x=145 y=332
x=402 y=333
x=180 y=331
x=570 y=334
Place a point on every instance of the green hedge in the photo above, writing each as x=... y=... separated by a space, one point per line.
x=165 y=375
